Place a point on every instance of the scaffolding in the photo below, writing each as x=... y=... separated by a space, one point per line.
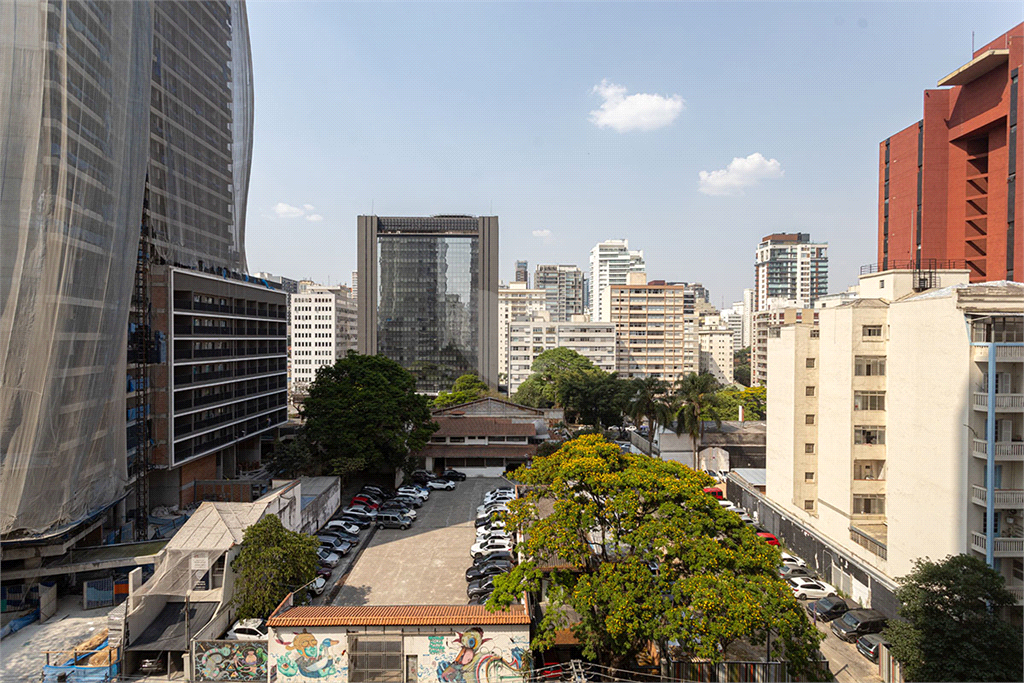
x=140 y=350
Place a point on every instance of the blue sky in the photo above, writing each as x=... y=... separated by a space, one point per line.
x=416 y=109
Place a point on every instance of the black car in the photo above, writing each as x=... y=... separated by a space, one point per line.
x=153 y=667
x=408 y=501
x=351 y=539
x=488 y=569
x=828 y=608
x=496 y=556
x=858 y=622
x=400 y=508
x=480 y=586
x=361 y=522
x=453 y=475
x=487 y=519
x=422 y=476
x=381 y=491
x=480 y=599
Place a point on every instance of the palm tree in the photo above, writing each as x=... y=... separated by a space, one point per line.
x=650 y=400
x=697 y=393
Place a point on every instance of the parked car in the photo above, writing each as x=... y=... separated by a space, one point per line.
x=768 y=538
x=413 y=491
x=480 y=586
x=441 y=484
x=341 y=525
x=363 y=499
x=484 y=547
x=501 y=489
x=488 y=569
x=351 y=539
x=393 y=520
x=318 y=585
x=495 y=556
x=715 y=493
x=480 y=599
x=857 y=623
x=324 y=572
x=493 y=533
x=788 y=571
x=491 y=525
x=727 y=504
x=328 y=558
x=421 y=476
x=499 y=495
x=335 y=545
x=248 y=629
x=155 y=666
x=491 y=507
x=810 y=588
x=828 y=608
x=792 y=560
x=410 y=500
x=361 y=511
x=490 y=518
x=454 y=475
x=380 y=491
x=359 y=521
x=869 y=646
x=400 y=509
x=745 y=518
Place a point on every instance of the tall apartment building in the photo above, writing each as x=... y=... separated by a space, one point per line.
x=611 y=262
x=530 y=338
x=734 y=318
x=323 y=329
x=716 y=353
x=428 y=295
x=790 y=266
x=895 y=425
x=947 y=185
x=162 y=132
x=516 y=303
x=656 y=329
x=563 y=287
x=523 y=272
x=749 y=303
x=778 y=312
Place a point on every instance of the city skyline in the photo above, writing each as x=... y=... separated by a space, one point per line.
x=539 y=144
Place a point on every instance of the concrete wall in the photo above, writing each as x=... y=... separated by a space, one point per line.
x=488 y=654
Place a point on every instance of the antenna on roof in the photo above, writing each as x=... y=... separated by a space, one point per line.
x=972 y=44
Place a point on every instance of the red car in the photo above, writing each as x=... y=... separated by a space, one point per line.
x=363 y=500
x=768 y=538
x=715 y=493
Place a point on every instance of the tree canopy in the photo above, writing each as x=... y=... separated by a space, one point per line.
x=594 y=397
x=753 y=399
x=649 y=399
x=363 y=412
x=697 y=395
x=953 y=630
x=550 y=369
x=636 y=549
x=741 y=366
x=272 y=562
x=466 y=388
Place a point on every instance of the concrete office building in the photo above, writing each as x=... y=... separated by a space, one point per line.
x=428 y=295
x=611 y=262
x=790 y=266
x=323 y=330
x=516 y=303
x=530 y=338
x=947 y=185
x=716 y=353
x=563 y=287
x=734 y=318
x=894 y=426
x=656 y=329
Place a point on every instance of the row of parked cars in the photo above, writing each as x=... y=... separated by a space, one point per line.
x=492 y=552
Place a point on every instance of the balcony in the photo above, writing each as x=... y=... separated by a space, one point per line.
x=1004 y=402
x=1018 y=593
x=1005 y=450
x=1005 y=499
x=1004 y=547
x=1009 y=354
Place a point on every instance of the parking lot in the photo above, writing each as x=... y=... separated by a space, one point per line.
x=426 y=564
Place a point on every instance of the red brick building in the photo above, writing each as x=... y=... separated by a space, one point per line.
x=947 y=185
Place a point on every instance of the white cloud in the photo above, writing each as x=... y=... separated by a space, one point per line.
x=740 y=173
x=315 y=217
x=542 y=233
x=287 y=210
x=641 y=111
x=309 y=207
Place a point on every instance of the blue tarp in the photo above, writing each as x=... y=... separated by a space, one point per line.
x=19 y=623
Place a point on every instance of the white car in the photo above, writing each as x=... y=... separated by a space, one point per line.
x=499 y=498
x=338 y=525
x=485 y=534
x=319 y=585
x=727 y=504
x=441 y=484
x=361 y=511
x=413 y=491
x=248 y=629
x=492 y=507
x=804 y=587
x=506 y=490
x=484 y=547
x=792 y=560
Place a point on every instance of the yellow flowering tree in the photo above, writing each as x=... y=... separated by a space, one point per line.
x=634 y=553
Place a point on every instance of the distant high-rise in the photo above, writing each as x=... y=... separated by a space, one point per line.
x=563 y=287
x=323 y=329
x=790 y=266
x=428 y=295
x=947 y=185
x=611 y=262
x=523 y=272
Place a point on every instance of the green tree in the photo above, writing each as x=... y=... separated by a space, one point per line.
x=697 y=394
x=753 y=399
x=594 y=397
x=293 y=459
x=549 y=371
x=363 y=412
x=741 y=366
x=645 y=556
x=272 y=562
x=467 y=388
x=649 y=399
x=952 y=629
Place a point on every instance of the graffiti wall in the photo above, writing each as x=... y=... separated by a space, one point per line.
x=470 y=654
x=230 y=660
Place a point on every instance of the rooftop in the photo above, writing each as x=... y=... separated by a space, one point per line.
x=464 y=425
x=398 y=615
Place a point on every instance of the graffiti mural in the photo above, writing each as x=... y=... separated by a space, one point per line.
x=477 y=663
x=304 y=657
x=230 y=660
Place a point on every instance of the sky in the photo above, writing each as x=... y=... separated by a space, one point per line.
x=691 y=129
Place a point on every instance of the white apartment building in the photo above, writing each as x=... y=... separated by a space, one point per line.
x=790 y=266
x=530 y=338
x=611 y=262
x=716 y=353
x=777 y=312
x=323 y=329
x=734 y=319
x=563 y=285
x=656 y=329
x=516 y=302
x=896 y=425
x=748 y=316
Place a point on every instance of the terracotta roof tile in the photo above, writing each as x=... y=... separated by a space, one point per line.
x=397 y=615
x=482 y=426
x=443 y=450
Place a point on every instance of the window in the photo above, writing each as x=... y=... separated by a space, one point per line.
x=808 y=476
x=869 y=366
x=1018 y=570
x=808 y=391
x=808 y=419
x=869 y=400
x=869 y=505
x=871 y=331
x=374 y=658
x=881 y=283
x=869 y=435
x=808 y=505
x=808 y=448
x=810 y=362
